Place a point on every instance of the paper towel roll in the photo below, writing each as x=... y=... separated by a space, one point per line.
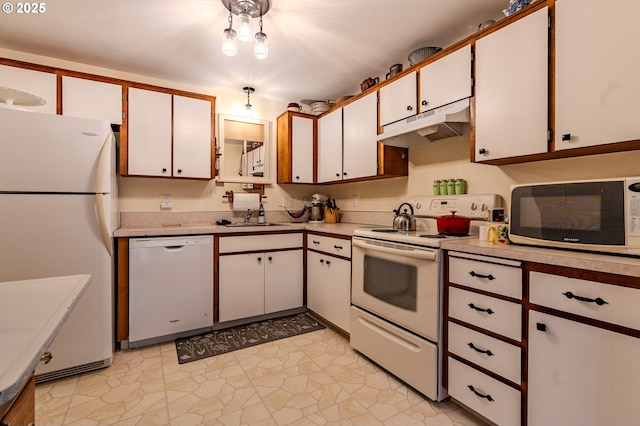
x=244 y=202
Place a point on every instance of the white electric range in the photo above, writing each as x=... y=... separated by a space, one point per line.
x=396 y=296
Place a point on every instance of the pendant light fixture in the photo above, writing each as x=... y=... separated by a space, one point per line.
x=246 y=11
x=248 y=91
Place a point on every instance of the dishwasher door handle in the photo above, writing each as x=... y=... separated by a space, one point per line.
x=173 y=247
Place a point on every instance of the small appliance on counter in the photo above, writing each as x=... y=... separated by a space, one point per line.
x=316 y=214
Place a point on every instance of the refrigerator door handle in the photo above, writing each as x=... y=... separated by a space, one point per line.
x=101 y=173
x=102 y=221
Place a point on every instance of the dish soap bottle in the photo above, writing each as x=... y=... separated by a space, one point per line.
x=261 y=213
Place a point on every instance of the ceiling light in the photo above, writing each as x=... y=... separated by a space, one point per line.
x=248 y=91
x=229 y=45
x=246 y=11
x=261 y=49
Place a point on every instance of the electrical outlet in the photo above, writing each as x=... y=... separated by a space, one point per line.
x=354 y=200
x=166 y=203
x=247 y=186
x=287 y=202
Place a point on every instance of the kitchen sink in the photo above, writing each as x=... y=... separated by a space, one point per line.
x=245 y=224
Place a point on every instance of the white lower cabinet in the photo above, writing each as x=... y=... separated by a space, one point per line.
x=484 y=334
x=329 y=288
x=257 y=283
x=583 y=374
x=487 y=396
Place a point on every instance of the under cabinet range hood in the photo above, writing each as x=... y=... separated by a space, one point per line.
x=440 y=123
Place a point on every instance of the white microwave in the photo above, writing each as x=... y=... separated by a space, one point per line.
x=592 y=215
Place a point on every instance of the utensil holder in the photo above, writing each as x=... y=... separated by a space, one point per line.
x=331 y=215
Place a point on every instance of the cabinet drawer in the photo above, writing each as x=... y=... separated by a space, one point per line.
x=329 y=245
x=500 y=357
x=483 y=394
x=618 y=305
x=499 y=279
x=242 y=243
x=492 y=314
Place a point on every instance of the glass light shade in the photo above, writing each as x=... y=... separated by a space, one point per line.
x=245 y=30
x=261 y=49
x=229 y=45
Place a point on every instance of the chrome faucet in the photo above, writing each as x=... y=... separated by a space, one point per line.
x=247 y=216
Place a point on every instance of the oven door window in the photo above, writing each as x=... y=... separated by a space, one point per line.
x=391 y=282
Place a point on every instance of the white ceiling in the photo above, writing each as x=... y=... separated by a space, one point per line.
x=318 y=49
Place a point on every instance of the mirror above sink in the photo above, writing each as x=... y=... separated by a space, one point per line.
x=243 y=149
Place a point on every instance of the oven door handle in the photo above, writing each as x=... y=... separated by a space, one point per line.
x=416 y=254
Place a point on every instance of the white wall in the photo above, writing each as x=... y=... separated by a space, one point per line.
x=447 y=158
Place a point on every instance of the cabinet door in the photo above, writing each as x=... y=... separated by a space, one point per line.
x=329 y=288
x=511 y=89
x=399 y=100
x=446 y=80
x=302 y=149
x=241 y=286
x=330 y=147
x=149 y=137
x=597 y=85
x=360 y=145
x=39 y=83
x=191 y=137
x=92 y=99
x=581 y=375
x=283 y=285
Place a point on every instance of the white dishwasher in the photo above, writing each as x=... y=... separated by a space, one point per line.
x=170 y=288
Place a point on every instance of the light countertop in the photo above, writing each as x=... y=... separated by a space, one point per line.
x=31 y=315
x=207 y=228
x=621 y=265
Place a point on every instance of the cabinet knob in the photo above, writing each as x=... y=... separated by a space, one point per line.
x=328 y=262
x=270 y=258
x=337 y=174
x=297 y=177
x=424 y=103
x=179 y=171
x=259 y=259
x=164 y=170
x=46 y=358
x=409 y=108
x=541 y=327
x=482 y=151
x=566 y=137
x=345 y=173
x=321 y=260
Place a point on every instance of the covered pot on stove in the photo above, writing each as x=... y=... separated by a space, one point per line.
x=453 y=224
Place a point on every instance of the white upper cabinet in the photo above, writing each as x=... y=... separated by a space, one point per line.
x=149 y=133
x=330 y=147
x=168 y=135
x=360 y=144
x=39 y=83
x=191 y=137
x=597 y=67
x=302 y=149
x=399 y=99
x=92 y=99
x=511 y=91
x=446 y=80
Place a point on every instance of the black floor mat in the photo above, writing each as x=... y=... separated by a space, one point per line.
x=231 y=339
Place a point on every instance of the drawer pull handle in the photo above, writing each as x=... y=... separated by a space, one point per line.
x=337 y=247
x=598 y=301
x=316 y=242
x=46 y=358
x=487 y=396
x=488 y=310
x=489 y=277
x=472 y=346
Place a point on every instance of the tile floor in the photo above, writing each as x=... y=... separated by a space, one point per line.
x=311 y=379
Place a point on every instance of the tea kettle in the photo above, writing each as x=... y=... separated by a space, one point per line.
x=404 y=221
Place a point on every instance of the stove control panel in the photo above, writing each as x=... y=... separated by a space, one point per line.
x=477 y=207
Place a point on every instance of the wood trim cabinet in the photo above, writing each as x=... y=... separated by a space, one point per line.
x=296 y=147
x=23 y=410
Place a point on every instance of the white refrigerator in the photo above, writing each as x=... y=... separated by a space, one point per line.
x=58 y=211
